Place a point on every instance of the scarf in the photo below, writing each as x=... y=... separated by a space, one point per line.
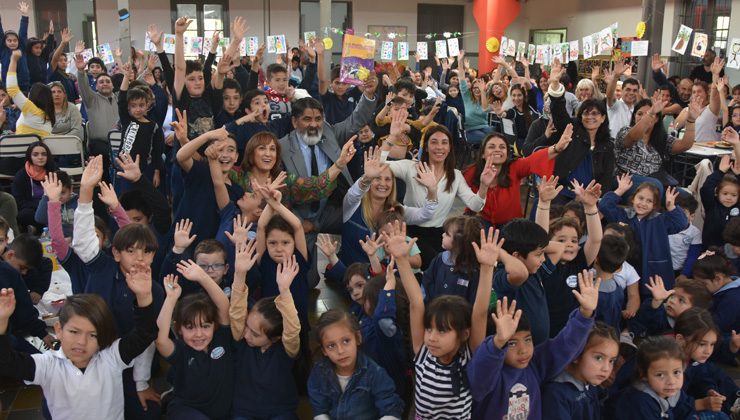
x=34 y=173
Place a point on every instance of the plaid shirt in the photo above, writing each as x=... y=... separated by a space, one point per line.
x=640 y=158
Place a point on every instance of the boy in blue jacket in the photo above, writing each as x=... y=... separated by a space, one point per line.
x=506 y=371
x=613 y=253
x=25 y=320
x=16 y=41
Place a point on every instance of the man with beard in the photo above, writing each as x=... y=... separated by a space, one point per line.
x=311 y=148
x=703 y=71
x=680 y=93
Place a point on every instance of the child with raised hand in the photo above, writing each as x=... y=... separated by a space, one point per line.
x=345 y=383
x=719 y=196
x=16 y=41
x=201 y=357
x=657 y=391
x=658 y=315
x=611 y=256
x=574 y=393
x=651 y=227
x=444 y=333
x=574 y=259
x=507 y=371
x=268 y=342
x=83 y=378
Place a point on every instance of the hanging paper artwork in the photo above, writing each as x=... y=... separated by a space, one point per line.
x=403 y=51
x=573 y=51
x=682 y=39
x=504 y=45
x=280 y=46
x=588 y=47
x=148 y=44
x=540 y=55
x=511 y=48
x=453 y=47
x=639 y=48
x=564 y=56
x=700 y=44
x=422 y=50
x=441 y=48
x=195 y=45
x=253 y=44
x=168 y=41
x=386 y=50
x=87 y=54
x=733 y=54
x=605 y=43
x=532 y=53
x=309 y=36
x=105 y=53
x=357 y=59
x=556 y=52
x=521 y=50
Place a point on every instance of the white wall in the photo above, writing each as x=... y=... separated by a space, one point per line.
x=734 y=33
x=11 y=16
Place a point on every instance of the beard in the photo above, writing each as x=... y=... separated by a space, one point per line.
x=311 y=137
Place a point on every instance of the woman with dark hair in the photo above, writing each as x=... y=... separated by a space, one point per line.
x=37 y=110
x=26 y=187
x=439 y=158
x=521 y=114
x=503 y=202
x=643 y=148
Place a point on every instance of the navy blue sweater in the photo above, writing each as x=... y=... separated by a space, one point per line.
x=25 y=320
x=725 y=309
x=568 y=398
x=441 y=278
x=24 y=78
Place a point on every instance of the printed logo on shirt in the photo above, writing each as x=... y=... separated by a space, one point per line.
x=734 y=212
x=217 y=353
x=129 y=138
x=463 y=282
x=518 y=403
x=572 y=281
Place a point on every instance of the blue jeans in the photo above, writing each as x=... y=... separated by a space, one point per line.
x=477 y=136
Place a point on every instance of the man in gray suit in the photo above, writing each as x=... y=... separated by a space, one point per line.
x=313 y=147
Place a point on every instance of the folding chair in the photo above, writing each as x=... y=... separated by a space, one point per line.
x=115 y=138
x=69 y=149
x=13 y=153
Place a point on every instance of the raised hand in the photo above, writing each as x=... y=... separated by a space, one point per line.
x=724 y=163
x=182 y=237
x=224 y=64
x=731 y=136
x=239 y=27
x=556 y=70
x=717 y=66
x=171 y=288
x=373 y=166
x=93 y=172
x=52 y=187
x=549 y=189
x=241 y=230
x=624 y=183
x=370 y=245
x=326 y=245
x=588 y=195
x=192 y=271
x=66 y=35
x=620 y=66
x=395 y=242
x=695 y=107
x=670 y=198
x=565 y=138
x=657 y=289
x=488 y=176
x=390 y=275
x=155 y=36
x=425 y=176
x=588 y=296
x=246 y=256
x=7 y=304
x=489 y=249
x=108 y=195
x=181 y=125
x=506 y=319
x=347 y=153
x=79 y=47
x=286 y=272
x=278 y=182
x=139 y=280
x=23 y=8
x=130 y=169
x=79 y=62
x=181 y=25
x=657 y=63
x=595 y=72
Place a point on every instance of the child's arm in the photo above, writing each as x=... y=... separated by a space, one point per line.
x=66 y=37
x=19 y=99
x=165 y=345
x=145 y=329
x=158 y=202
x=675 y=219
x=12 y=363
x=243 y=261
x=181 y=25
x=398 y=247
x=84 y=240
x=589 y=196
x=265 y=217
x=548 y=189
x=53 y=191
x=371 y=246
x=609 y=204
x=188 y=150
x=516 y=271
x=273 y=198
x=487 y=254
x=633 y=301
x=286 y=272
x=192 y=271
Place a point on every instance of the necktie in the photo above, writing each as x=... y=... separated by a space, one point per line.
x=314 y=172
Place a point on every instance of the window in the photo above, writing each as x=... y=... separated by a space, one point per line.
x=208 y=16
x=341 y=18
x=547 y=36
x=714 y=16
x=721 y=30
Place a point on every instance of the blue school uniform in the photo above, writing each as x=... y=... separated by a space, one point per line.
x=568 y=398
x=639 y=402
x=652 y=232
x=649 y=321
x=369 y=394
x=700 y=378
x=503 y=391
x=299 y=287
x=725 y=309
x=25 y=319
x=24 y=76
x=242 y=133
x=226 y=224
x=441 y=278
x=353 y=230
x=611 y=302
x=559 y=288
x=530 y=298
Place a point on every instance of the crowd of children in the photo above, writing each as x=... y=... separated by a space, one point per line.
x=195 y=245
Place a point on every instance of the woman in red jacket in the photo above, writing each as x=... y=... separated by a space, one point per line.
x=503 y=202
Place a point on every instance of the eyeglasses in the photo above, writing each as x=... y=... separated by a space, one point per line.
x=212 y=267
x=592 y=114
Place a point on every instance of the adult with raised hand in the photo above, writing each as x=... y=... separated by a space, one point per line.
x=643 y=148
x=620 y=110
x=375 y=194
x=502 y=200
x=590 y=154
x=439 y=157
x=706 y=122
x=681 y=93
x=704 y=71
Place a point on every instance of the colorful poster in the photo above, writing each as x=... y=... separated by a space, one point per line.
x=453 y=47
x=403 y=51
x=195 y=45
x=547 y=50
x=573 y=50
x=503 y=45
x=253 y=44
x=105 y=53
x=441 y=48
x=565 y=58
x=588 y=47
x=532 y=53
x=605 y=43
x=422 y=50
x=357 y=59
x=87 y=54
x=168 y=42
x=700 y=45
x=309 y=36
x=733 y=54
x=207 y=44
x=682 y=39
x=540 y=55
x=521 y=50
x=511 y=48
x=556 y=52
x=386 y=50
x=271 y=44
x=281 y=47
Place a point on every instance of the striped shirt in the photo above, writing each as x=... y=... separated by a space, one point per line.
x=33 y=120
x=433 y=393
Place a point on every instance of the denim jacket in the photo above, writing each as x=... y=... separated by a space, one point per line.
x=370 y=393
